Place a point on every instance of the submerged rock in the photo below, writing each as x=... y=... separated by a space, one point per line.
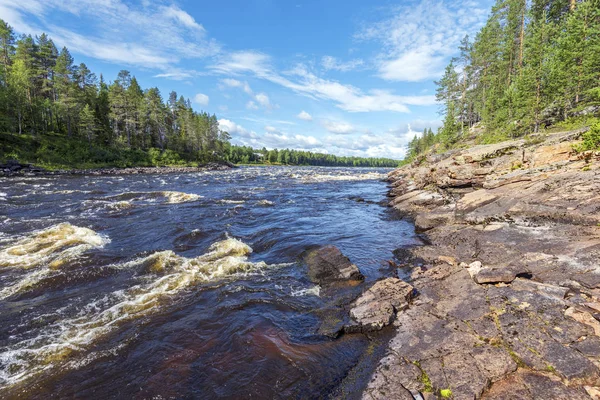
x=377 y=307
x=328 y=264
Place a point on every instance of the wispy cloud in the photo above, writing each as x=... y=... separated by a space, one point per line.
x=154 y=35
x=332 y=63
x=302 y=81
x=419 y=37
x=258 y=99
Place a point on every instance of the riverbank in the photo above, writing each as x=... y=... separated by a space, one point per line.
x=14 y=168
x=508 y=276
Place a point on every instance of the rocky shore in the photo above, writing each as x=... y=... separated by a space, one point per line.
x=506 y=301
x=15 y=168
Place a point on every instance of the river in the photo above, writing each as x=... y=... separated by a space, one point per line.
x=182 y=285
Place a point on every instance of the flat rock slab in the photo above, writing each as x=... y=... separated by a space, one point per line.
x=328 y=264
x=482 y=275
x=378 y=306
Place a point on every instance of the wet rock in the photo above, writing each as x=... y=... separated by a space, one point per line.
x=328 y=264
x=378 y=306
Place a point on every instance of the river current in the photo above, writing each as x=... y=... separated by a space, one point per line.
x=182 y=285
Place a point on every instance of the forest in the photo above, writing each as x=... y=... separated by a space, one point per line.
x=56 y=113
x=533 y=65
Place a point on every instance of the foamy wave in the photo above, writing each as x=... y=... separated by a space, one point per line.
x=313 y=178
x=171 y=275
x=312 y=291
x=226 y=201
x=265 y=203
x=165 y=197
x=49 y=248
x=53 y=246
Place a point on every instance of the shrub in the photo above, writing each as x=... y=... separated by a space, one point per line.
x=591 y=139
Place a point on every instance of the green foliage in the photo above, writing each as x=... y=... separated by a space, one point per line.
x=446 y=393
x=163 y=158
x=532 y=65
x=591 y=139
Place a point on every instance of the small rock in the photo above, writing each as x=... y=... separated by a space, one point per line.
x=378 y=306
x=481 y=274
x=495 y=275
x=328 y=264
x=473 y=268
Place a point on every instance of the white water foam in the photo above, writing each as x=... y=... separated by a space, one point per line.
x=171 y=274
x=49 y=249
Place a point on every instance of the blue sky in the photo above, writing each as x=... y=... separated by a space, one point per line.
x=344 y=77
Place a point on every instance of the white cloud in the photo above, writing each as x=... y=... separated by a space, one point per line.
x=178 y=75
x=235 y=129
x=332 y=63
x=271 y=139
x=263 y=100
x=419 y=38
x=284 y=141
x=148 y=35
x=180 y=16
x=412 y=66
x=391 y=144
x=346 y=97
x=304 y=116
x=201 y=99
x=260 y=99
x=243 y=61
x=337 y=127
x=234 y=83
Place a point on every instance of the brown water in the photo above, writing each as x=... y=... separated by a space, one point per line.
x=182 y=285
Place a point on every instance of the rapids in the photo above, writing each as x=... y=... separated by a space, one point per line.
x=182 y=285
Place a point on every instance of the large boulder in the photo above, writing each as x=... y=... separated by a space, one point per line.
x=377 y=307
x=328 y=264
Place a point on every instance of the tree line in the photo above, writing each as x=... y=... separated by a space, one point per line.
x=248 y=155
x=533 y=64
x=81 y=118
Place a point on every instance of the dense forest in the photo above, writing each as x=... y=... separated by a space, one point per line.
x=56 y=113
x=534 y=64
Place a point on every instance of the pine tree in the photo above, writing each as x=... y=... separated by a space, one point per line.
x=87 y=123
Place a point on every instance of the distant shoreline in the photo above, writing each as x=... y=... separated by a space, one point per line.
x=15 y=169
